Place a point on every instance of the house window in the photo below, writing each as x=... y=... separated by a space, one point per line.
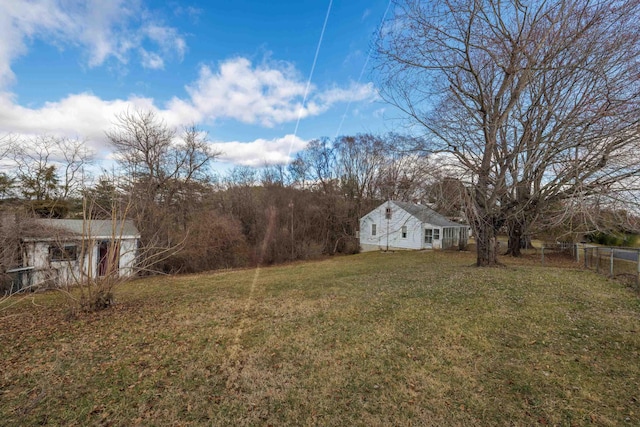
x=63 y=253
x=387 y=213
x=373 y=229
x=428 y=235
x=436 y=234
x=404 y=231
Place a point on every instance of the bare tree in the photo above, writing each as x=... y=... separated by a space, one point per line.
x=321 y=159
x=6 y=181
x=360 y=159
x=142 y=142
x=149 y=150
x=538 y=102
x=164 y=174
x=273 y=175
x=407 y=174
x=6 y=143
x=49 y=170
x=6 y=185
x=298 y=172
x=97 y=257
x=10 y=252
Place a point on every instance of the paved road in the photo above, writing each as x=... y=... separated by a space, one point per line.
x=626 y=254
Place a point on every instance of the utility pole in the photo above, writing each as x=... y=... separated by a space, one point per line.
x=292 y=237
x=388 y=215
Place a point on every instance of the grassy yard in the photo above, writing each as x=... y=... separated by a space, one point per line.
x=377 y=339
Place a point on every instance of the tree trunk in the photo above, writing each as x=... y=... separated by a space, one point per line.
x=486 y=243
x=515 y=230
x=485 y=224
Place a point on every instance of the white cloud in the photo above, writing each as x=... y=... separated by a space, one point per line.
x=103 y=29
x=167 y=38
x=82 y=115
x=265 y=95
x=179 y=112
x=355 y=92
x=260 y=152
x=151 y=60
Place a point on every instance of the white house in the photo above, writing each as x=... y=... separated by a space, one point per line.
x=401 y=225
x=60 y=252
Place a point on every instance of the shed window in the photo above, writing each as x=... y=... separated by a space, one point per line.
x=373 y=229
x=63 y=253
x=428 y=235
x=436 y=234
x=404 y=231
x=387 y=213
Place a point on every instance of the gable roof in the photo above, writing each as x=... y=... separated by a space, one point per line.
x=45 y=229
x=428 y=215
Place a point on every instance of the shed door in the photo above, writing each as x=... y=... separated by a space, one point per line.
x=108 y=257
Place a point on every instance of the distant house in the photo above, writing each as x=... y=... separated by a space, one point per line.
x=59 y=252
x=401 y=225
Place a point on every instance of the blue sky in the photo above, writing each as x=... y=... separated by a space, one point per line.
x=238 y=69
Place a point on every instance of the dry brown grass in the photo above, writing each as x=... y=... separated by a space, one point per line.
x=420 y=338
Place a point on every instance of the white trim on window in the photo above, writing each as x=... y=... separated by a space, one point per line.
x=428 y=235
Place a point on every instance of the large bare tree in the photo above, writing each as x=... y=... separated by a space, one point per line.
x=164 y=171
x=538 y=101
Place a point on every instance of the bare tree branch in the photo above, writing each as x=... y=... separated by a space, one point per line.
x=539 y=103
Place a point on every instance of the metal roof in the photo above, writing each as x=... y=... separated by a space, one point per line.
x=95 y=228
x=427 y=215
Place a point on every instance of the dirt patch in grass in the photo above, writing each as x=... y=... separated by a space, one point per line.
x=410 y=338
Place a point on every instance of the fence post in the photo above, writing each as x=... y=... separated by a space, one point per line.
x=598 y=260
x=638 y=271
x=586 y=265
x=577 y=252
x=611 y=263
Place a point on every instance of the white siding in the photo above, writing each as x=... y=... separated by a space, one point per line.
x=390 y=231
x=60 y=273
x=128 y=253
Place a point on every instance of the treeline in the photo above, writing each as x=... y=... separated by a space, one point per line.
x=192 y=219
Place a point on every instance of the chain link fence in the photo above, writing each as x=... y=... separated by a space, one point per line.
x=614 y=262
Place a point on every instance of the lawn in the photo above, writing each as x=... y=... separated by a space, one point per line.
x=378 y=339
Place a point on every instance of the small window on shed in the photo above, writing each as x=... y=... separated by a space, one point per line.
x=404 y=231
x=373 y=229
x=436 y=234
x=387 y=213
x=63 y=253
